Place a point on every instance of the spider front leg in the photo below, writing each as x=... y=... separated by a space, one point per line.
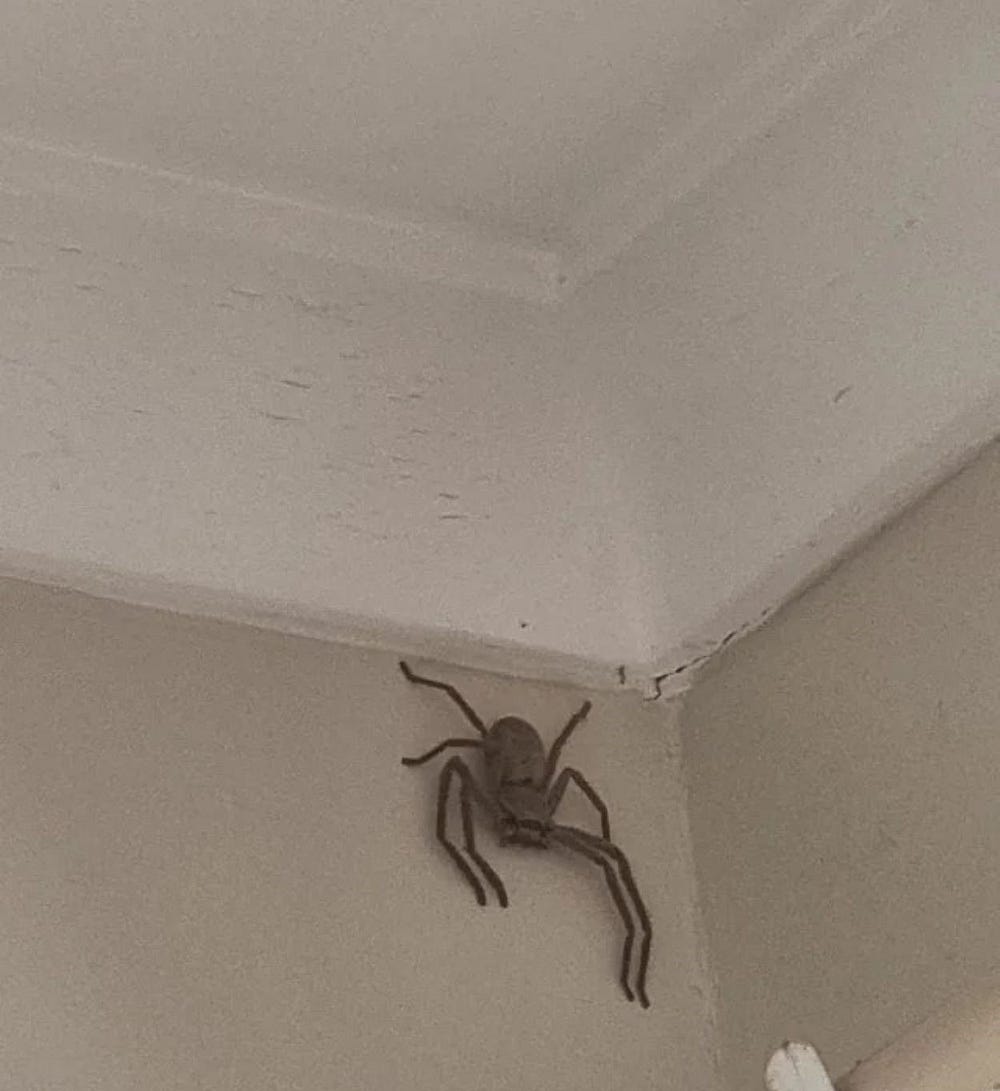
x=559 y=790
x=552 y=759
x=470 y=791
x=418 y=679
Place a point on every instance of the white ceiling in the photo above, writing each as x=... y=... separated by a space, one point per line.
x=556 y=131
x=506 y=117
x=551 y=340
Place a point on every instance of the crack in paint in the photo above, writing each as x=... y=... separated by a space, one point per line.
x=659 y=679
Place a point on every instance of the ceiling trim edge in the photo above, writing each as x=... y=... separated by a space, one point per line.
x=449 y=254
x=671 y=674
x=829 y=36
x=428 y=642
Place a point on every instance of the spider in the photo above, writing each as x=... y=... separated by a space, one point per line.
x=520 y=796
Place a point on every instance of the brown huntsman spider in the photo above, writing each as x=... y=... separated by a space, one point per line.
x=521 y=797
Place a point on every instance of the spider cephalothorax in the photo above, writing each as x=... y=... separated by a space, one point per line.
x=521 y=793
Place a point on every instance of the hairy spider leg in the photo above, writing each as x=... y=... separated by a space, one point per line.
x=566 y=838
x=452 y=768
x=553 y=756
x=437 y=750
x=609 y=848
x=470 y=791
x=463 y=704
x=559 y=790
x=442 y=833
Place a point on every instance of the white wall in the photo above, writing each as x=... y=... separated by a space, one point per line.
x=843 y=772
x=214 y=873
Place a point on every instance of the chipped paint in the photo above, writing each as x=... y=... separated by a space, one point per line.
x=658 y=685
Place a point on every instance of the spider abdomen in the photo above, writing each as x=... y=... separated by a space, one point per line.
x=514 y=754
x=515 y=772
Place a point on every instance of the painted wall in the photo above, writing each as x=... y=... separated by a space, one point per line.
x=214 y=873
x=842 y=766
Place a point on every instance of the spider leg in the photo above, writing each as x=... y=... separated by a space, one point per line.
x=565 y=837
x=609 y=848
x=553 y=757
x=437 y=750
x=470 y=791
x=463 y=704
x=444 y=783
x=559 y=790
